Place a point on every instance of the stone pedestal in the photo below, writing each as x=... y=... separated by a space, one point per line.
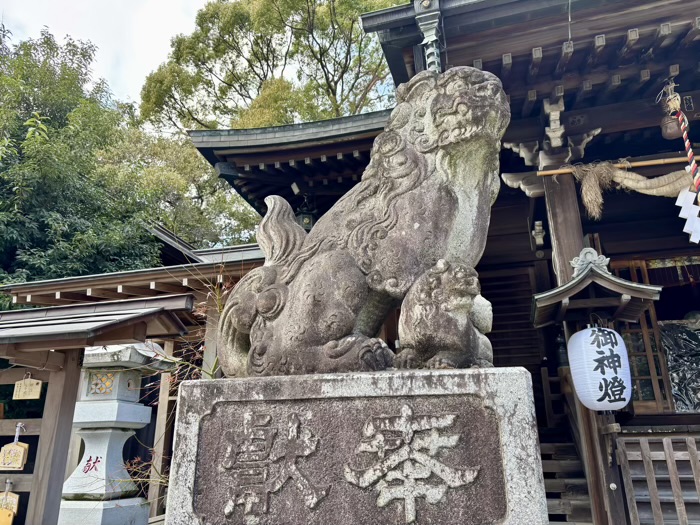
x=100 y=490
x=444 y=447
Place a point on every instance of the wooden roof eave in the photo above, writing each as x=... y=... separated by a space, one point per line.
x=552 y=306
x=466 y=24
x=290 y=137
x=197 y=279
x=35 y=337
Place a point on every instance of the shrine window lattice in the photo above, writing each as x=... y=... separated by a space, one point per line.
x=654 y=389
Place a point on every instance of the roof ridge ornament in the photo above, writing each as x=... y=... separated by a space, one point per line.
x=430 y=25
x=587 y=258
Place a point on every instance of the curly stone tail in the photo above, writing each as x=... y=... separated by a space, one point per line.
x=280 y=236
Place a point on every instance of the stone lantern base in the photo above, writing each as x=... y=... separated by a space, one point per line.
x=99 y=491
x=129 y=511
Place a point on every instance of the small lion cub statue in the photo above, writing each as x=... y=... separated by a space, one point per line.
x=444 y=319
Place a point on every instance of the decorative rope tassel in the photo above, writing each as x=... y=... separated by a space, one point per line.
x=690 y=211
x=687 y=198
x=693 y=167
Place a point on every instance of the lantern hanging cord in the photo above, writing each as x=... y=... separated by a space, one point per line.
x=8 y=488
x=569 y=21
x=18 y=428
x=598 y=322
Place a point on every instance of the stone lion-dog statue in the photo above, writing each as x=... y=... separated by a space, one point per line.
x=408 y=235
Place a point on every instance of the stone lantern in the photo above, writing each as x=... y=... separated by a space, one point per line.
x=100 y=490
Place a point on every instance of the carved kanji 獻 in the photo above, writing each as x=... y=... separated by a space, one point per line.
x=262 y=462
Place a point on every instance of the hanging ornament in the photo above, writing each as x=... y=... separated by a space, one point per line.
x=671 y=102
x=9 y=500
x=13 y=456
x=691 y=212
x=600 y=369
x=670 y=129
x=27 y=388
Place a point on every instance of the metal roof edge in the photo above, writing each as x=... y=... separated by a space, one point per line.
x=292 y=133
x=168 y=303
x=387 y=18
x=172 y=239
x=231 y=253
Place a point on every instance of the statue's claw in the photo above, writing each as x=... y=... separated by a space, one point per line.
x=439 y=361
x=407 y=358
x=376 y=355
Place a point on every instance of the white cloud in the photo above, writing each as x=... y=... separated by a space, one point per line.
x=132 y=36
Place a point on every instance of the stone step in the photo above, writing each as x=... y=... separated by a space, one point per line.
x=566 y=485
x=558 y=448
x=562 y=465
x=573 y=509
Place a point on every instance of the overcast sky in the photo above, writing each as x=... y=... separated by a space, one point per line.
x=132 y=36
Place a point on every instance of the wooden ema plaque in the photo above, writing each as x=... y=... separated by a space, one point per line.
x=6 y=517
x=9 y=504
x=27 y=388
x=13 y=456
x=9 y=501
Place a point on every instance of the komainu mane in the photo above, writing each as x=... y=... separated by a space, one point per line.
x=408 y=235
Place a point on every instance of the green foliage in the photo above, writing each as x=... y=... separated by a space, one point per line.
x=57 y=217
x=79 y=179
x=274 y=106
x=269 y=62
x=176 y=186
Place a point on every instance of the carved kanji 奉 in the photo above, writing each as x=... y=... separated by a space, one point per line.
x=406 y=466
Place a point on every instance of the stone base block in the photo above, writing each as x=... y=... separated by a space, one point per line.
x=455 y=447
x=130 y=511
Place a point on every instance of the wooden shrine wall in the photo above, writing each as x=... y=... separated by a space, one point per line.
x=515 y=341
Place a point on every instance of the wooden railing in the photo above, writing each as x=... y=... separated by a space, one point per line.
x=661 y=474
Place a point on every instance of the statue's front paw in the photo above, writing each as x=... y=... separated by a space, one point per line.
x=482 y=363
x=440 y=362
x=375 y=355
x=407 y=358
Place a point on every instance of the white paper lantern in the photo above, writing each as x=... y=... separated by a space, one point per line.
x=600 y=369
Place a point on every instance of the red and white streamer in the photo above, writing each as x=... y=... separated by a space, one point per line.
x=689 y=151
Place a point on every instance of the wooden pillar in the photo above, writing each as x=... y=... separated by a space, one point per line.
x=162 y=441
x=607 y=506
x=57 y=422
x=75 y=449
x=564 y=224
x=209 y=361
